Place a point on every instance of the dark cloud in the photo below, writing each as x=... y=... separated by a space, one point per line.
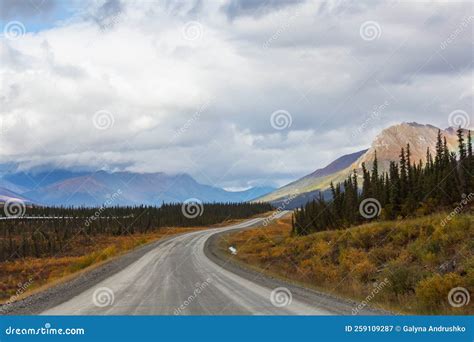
x=107 y=15
x=342 y=7
x=204 y=106
x=10 y=9
x=236 y=8
x=109 y=8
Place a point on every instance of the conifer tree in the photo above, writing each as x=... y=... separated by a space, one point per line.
x=405 y=188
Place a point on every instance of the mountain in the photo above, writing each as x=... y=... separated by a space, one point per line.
x=304 y=189
x=120 y=188
x=392 y=139
x=8 y=195
x=32 y=180
x=387 y=145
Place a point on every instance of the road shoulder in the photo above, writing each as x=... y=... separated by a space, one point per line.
x=331 y=303
x=38 y=302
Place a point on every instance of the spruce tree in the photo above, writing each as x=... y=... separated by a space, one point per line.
x=374 y=180
x=403 y=174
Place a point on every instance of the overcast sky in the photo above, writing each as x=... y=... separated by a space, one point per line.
x=236 y=93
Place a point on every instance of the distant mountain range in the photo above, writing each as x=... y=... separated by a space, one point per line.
x=8 y=195
x=61 y=187
x=387 y=145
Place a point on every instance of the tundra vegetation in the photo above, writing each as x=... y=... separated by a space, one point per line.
x=45 y=244
x=418 y=260
x=410 y=228
x=406 y=189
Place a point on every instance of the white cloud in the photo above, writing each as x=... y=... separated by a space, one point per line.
x=203 y=105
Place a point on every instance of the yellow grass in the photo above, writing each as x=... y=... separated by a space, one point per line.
x=24 y=276
x=418 y=261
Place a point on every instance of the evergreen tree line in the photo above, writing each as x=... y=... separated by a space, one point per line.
x=45 y=231
x=407 y=188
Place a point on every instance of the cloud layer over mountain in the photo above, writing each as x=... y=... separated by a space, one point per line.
x=191 y=86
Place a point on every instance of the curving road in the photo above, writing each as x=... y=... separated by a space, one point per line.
x=177 y=277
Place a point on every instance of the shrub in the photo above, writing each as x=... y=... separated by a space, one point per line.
x=403 y=279
x=432 y=293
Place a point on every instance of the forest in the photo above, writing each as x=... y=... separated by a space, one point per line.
x=47 y=231
x=408 y=188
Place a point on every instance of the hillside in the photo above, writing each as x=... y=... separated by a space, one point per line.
x=304 y=187
x=407 y=266
x=387 y=145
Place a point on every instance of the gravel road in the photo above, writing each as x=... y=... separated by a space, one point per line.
x=182 y=275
